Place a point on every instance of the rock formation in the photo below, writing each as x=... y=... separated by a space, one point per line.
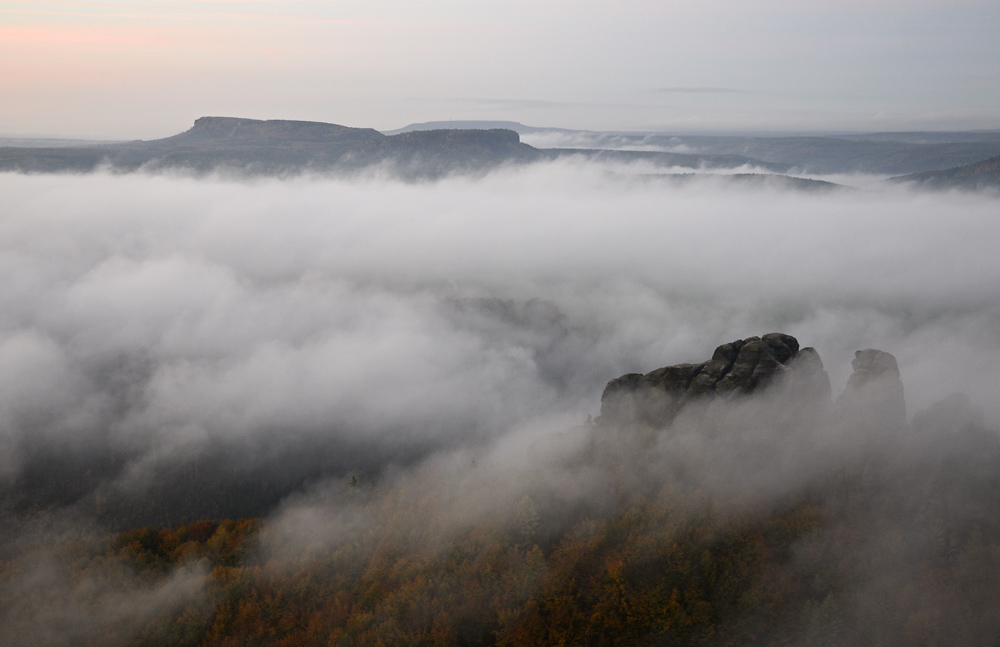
x=872 y=401
x=738 y=368
x=874 y=392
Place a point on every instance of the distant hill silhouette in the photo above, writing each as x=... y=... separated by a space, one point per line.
x=978 y=176
x=214 y=131
x=474 y=124
x=276 y=147
x=435 y=149
x=885 y=153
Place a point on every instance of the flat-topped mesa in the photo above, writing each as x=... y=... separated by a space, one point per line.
x=740 y=367
x=492 y=137
x=236 y=131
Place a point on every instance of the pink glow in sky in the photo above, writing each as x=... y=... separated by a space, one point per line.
x=145 y=69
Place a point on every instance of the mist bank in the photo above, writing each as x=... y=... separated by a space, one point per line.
x=209 y=338
x=778 y=517
x=401 y=374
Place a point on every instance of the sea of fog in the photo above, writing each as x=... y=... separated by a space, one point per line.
x=165 y=313
x=405 y=331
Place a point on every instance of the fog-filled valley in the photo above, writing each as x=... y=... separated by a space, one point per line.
x=362 y=410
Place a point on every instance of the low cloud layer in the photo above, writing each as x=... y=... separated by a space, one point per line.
x=180 y=348
x=161 y=318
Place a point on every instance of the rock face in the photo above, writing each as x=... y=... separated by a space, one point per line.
x=738 y=368
x=874 y=391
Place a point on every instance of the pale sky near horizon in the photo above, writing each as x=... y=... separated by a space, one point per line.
x=147 y=68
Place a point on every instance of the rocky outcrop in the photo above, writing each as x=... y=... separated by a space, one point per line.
x=738 y=368
x=874 y=392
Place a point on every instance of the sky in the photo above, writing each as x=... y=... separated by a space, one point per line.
x=116 y=69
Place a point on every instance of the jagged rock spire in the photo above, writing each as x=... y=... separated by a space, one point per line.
x=874 y=392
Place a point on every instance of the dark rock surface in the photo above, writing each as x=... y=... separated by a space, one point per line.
x=738 y=368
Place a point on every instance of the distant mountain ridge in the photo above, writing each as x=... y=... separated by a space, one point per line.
x=978 y=176
x=475 y=124
x=882 y=153
x=275 y=147
x=903 y=137
x=436 y=149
